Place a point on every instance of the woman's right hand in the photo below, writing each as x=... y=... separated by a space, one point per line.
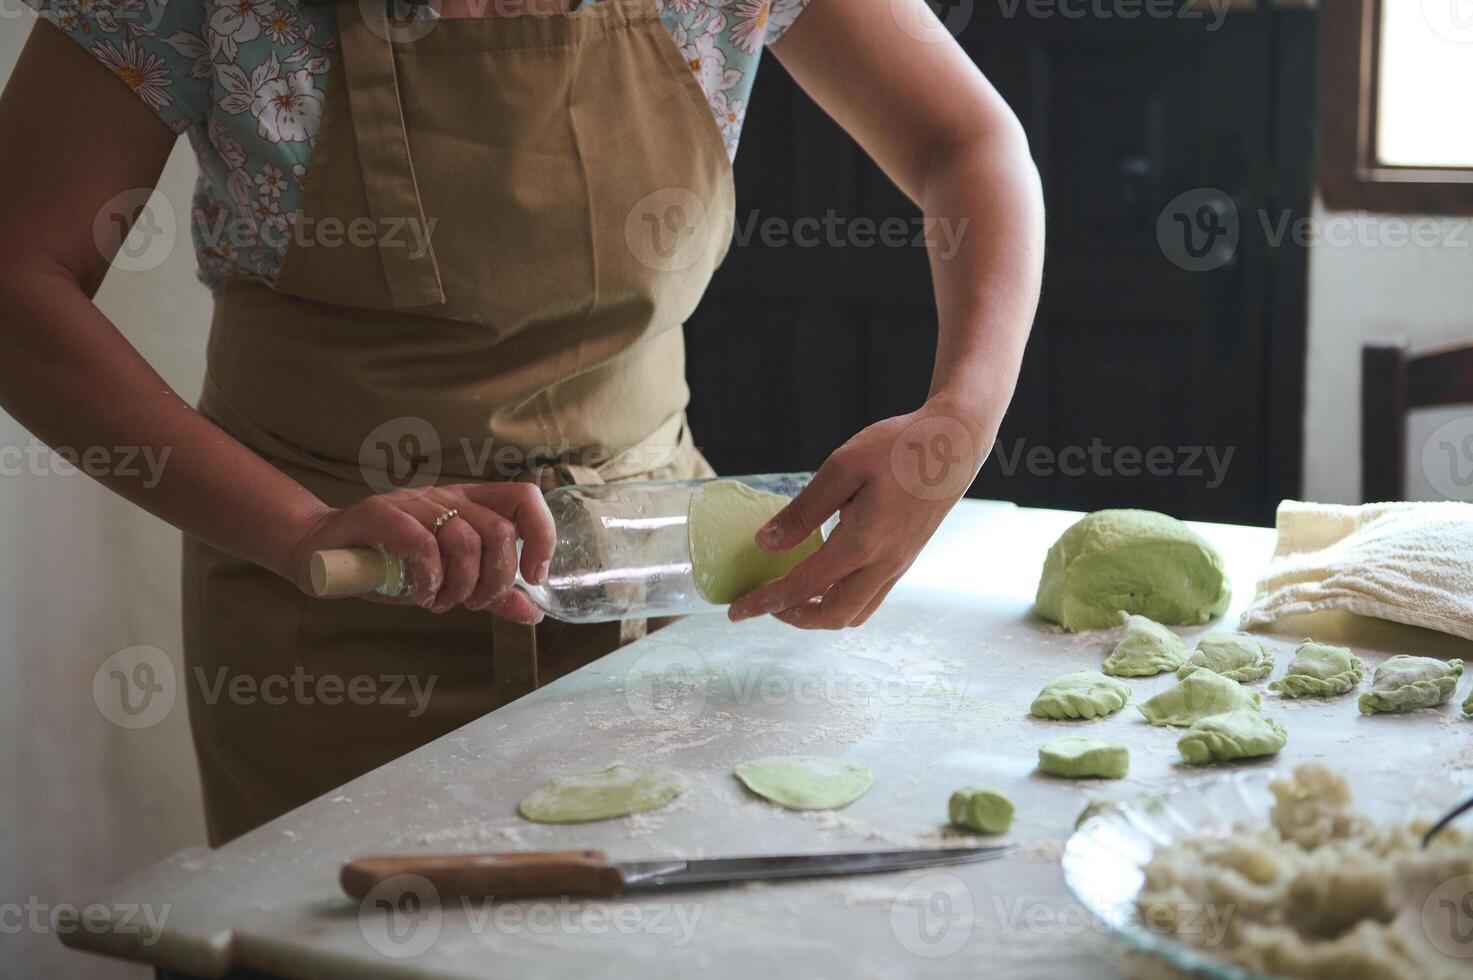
x=471 y=561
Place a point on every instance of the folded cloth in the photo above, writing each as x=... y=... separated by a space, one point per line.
x=1406 y=562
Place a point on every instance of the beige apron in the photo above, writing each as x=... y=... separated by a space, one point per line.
x=578 y=197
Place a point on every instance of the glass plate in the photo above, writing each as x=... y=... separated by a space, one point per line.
x=1103 y=860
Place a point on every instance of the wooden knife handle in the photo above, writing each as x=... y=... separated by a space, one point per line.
x=512 y=875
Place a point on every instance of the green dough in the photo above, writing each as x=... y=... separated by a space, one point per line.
x=1468 y=704
x=981 y=808
x=1132 y=560
x=1236 y=656
x=1240 y=734
x=614 y=792
x=1320 y=670
x=1196 y=696
x=1147 y=648
x=1082 y=694
x=721 y=531
x=1079 y=757
x=1407 y=683
x=1096 y=806
x=806 y=782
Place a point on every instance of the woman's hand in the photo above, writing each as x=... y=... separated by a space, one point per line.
x=891 y=486
x=471 y=561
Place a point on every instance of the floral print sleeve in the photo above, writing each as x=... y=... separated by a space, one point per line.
x=134 y=40
x=246 y=78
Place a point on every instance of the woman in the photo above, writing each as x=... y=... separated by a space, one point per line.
x=455 y=250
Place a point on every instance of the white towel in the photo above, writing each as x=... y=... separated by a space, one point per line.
x=1407 y=562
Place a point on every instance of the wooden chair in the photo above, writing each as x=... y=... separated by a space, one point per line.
x=1393 y=382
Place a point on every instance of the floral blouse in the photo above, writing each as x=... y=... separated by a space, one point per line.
x=246 y=78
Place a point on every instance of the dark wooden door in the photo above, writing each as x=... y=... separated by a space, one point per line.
x=1165 y=368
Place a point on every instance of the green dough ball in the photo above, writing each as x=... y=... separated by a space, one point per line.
x=724 y=558
x=1320 y=670
x=806 y=782
x=1197 y=696
x=1079 y=757
x=1240 y=734
x=1082 y=694
x=1147 y=648
x=1468 y=704
x=982 y=809
x=1407 y=683
x=614 y=792
x=1236 y=656
x=1132 y=560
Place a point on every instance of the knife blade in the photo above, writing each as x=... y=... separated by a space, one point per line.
x=525 y=874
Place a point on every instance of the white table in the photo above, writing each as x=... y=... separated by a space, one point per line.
x=933 y=694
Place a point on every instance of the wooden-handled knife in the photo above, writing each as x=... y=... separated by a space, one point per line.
x=592 y=874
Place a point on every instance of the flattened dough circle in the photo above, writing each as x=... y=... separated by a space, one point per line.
x=613 y=792
x=721 y=527
x=806 y=782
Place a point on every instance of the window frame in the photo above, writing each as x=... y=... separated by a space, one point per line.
x=1351 y=177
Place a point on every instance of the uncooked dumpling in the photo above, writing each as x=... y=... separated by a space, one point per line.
x=1198 y=695
x=1320 y=670
x=722 y=525
x=1407 y=683
x=1236 y=656
x=1082 y=694
x=1241 y=734
x=981 y=808
x=1138 y=561
x=1147 y=648
x=806 y=782
x=614 y=792
x=1076 y=758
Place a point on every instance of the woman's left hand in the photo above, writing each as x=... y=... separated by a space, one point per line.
x=891 y=486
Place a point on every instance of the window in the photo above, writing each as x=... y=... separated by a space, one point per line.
x=1397 y=135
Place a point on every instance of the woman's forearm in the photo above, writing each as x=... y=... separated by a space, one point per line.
x=984 y=205
x=74 y=381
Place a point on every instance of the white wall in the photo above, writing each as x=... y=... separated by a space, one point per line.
x=84 y=802
x=1367 y=280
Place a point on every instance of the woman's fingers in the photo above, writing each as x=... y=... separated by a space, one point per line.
x=809 y=578
x=842 y=604
x=498 y=543
x=830 y=488
x=385 y=524
x=515 y=606
x=523 y=505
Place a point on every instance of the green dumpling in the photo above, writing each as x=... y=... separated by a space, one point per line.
x=1138 y=561
x=1082 y=694
x=1236 y=656
x=1147 y=648
x=1406 y=683
x=981 y=808
x=1320 y=670
x=1240 y=734
x=1198 y=695
x=1076 y=758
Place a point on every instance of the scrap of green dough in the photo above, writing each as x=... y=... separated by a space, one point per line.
x=1096 y=806
x=1320 y=670
x=981 y=808
x=1236 y=656
x=613 y=792
x=1082 y=694
x=806 y=782
x=1406 y=683
x=1147 y=648
x=1196 y=696
x=1138 y=561
x=1076 y=758
x=1240 y=734
x=721 y=527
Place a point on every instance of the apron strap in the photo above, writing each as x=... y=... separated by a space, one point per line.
x=382 y=142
